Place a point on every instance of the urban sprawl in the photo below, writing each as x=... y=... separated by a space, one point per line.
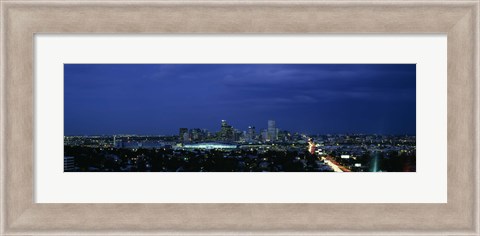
x=232 y=150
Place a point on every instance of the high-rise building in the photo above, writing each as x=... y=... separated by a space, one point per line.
x=264 y=135
x=186 y=137
x=226 y=132
x=237 y=135
x=271 y=131
x=181 y=133
x=244 y=136
x=196 y=134
x=251 y=133
x=68 y=163
x=284 y=135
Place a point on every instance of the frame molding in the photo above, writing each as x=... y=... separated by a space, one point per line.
x=20 y=20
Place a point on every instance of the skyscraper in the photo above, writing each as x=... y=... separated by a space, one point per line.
x=251 y=133
x=271 y=131
x=264 y=135
x=196 y=134
x=226 y=132
x=182 y=133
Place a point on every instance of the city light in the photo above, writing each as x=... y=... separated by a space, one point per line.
x=230 y=149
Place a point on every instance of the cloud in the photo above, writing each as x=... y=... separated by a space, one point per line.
x=239 y=91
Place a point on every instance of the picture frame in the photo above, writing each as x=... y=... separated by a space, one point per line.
x=21 y=20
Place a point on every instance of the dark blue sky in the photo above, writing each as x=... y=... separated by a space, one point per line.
x=311 y=98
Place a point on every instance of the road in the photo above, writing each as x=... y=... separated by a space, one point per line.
x=335 y=165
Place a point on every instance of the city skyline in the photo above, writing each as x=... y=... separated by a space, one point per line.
x=158 y=99
x=256 y=128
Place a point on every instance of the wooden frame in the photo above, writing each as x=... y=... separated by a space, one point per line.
x=20 y=20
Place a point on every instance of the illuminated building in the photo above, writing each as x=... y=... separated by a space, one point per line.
x=226 y=132
x=271 y=131
x=210 y=146
x=251 y=133
x=68 y=163
x=196 y=134
x=181 y=133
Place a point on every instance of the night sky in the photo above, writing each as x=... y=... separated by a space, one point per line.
x=309 y=98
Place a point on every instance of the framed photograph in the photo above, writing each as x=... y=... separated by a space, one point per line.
x=227 y=117
x=306 y=98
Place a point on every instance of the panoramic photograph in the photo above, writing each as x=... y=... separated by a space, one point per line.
x=239 y=118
